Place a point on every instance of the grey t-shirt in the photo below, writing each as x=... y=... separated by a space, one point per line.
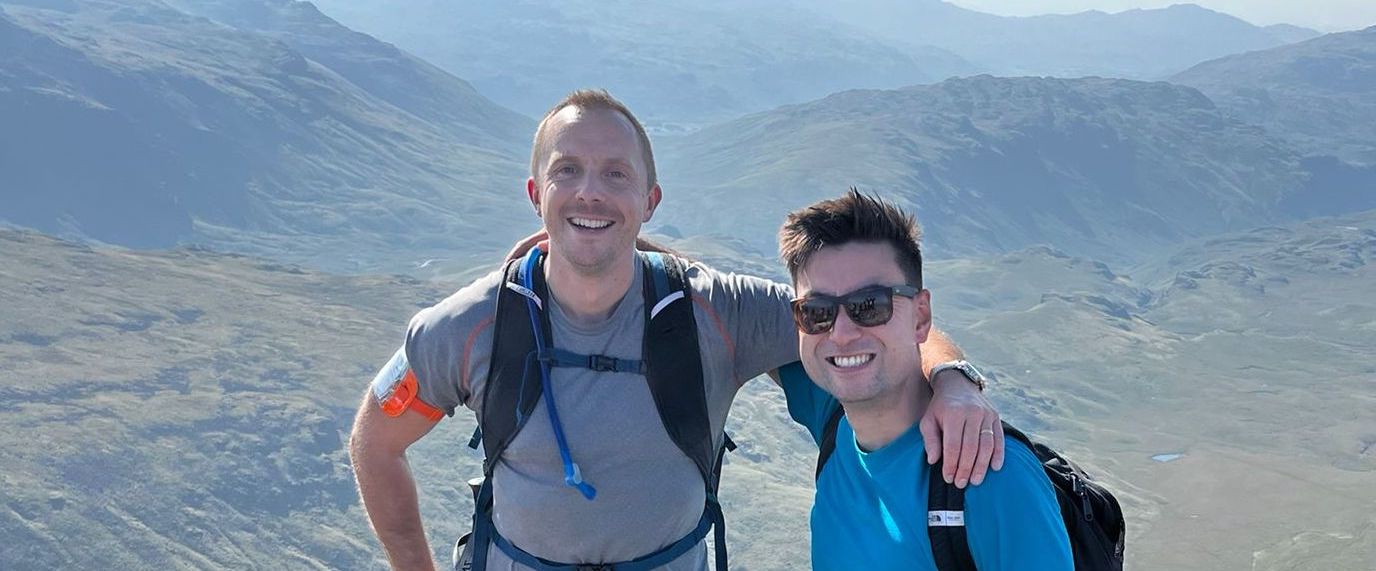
x=649 y=494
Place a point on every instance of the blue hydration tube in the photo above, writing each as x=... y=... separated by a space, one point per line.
x=573 y=477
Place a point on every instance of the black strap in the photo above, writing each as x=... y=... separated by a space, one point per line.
x=513 y=382
x=670 y=360
x=946 y=523
x=673 y=364
x=718 y=531
x=482 y=526
x=555 y=357
x=950 y=544
x=727 y=445
x=828 y=443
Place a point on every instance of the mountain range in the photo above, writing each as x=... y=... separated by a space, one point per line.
x=686 y=65
x=267 y=127
x=678 y=65
x=1319 y=94
x=1103 y=167
x=1133 y=44
x=131 y=122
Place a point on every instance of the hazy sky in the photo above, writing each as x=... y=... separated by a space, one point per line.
x=1322 y=15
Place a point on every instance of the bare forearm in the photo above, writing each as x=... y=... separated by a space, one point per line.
x=961 y=427
x=389 y=497
x=937 y=350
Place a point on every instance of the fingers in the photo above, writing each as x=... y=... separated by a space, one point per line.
x=969 y=449
x=514 y=253
x=997 y=462
x=520 y=249
x=965 y=435
x=988 y=440
x=539 y=238
x=952 y=432
x=931 y=437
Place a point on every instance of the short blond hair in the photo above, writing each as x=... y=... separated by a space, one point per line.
x=593 y=99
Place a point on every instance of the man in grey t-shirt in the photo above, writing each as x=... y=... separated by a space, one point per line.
x=593 y=183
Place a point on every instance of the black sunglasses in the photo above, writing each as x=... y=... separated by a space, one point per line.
x=869 y=306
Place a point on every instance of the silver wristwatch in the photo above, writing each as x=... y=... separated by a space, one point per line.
x=966 y=369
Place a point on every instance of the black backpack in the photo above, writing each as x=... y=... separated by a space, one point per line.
x=1093 y=518
x=670 y=362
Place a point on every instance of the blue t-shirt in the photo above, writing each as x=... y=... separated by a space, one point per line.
x=870 y=511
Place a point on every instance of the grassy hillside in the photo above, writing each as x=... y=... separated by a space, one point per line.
x=188 y=410
x=1249 y=355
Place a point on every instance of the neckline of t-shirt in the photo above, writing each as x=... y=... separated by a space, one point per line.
x=561 y=320
x=908 y=443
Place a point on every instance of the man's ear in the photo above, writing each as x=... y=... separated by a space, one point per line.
x=533 y=194
x=922 y=310
x=652 y=202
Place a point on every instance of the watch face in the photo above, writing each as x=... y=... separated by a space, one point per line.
x=970 y=370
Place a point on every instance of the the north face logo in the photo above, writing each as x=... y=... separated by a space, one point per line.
x=940 y=518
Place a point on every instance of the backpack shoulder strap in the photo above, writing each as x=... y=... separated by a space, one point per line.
x=513 y=381
x=946 y=516
x=946 y=523
x=827 y=445
x=673 y=369
x=673 y=363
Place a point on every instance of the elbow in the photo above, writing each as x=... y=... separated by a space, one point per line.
x=372 y=442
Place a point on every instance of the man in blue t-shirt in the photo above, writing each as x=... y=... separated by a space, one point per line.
x=861 y=314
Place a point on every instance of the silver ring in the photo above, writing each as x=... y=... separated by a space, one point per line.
x=988 y=431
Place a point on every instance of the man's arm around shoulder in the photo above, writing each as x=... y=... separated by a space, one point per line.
x=377 y=448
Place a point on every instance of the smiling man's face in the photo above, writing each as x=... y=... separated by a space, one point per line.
x=863 y=365
x=591 y=188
